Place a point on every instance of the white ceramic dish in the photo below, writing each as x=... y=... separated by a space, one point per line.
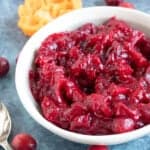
x=71 y=21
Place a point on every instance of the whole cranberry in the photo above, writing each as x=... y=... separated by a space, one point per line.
x=126 y=5
x=4 y=66
x=113 y=2
x=24 y=141
x=98 y=147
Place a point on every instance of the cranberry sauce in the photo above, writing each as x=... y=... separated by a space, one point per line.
x=95 y=79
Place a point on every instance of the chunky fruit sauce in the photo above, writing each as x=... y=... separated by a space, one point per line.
x=95 y=79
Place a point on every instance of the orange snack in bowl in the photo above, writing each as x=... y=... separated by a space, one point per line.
x=33 y=15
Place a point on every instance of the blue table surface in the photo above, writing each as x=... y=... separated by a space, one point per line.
x=11 y=42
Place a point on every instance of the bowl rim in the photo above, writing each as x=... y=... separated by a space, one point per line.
x=22 y=84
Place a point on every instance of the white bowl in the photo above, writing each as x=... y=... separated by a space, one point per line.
x=71 y=21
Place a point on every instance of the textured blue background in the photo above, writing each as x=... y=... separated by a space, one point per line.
x=11 y=42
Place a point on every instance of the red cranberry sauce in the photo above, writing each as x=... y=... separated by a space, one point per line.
x=95 y=79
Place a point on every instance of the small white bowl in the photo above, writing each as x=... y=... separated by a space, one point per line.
x=71 y=21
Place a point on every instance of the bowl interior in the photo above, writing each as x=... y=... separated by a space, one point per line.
x=68 y=22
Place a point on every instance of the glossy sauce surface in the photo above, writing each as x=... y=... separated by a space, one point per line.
x=95 y=79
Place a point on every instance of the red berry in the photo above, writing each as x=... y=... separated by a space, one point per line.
x=24 y=141
x=126 y=5
x=4 y=66
x=113 y=2
x=98 y=147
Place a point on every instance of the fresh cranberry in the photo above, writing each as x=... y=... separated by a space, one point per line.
x=127 y=5
x=113 y=2
x=98 y=147
x=24 y=141
x=4 y=66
